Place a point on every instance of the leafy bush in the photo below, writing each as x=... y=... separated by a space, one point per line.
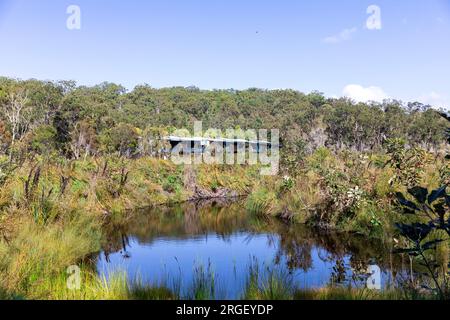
x=432 y=215
x=261 y=202
x=44 y=139
x=408 y=163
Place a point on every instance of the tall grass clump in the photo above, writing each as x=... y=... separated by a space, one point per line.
x=40 y=252
x=346 y=293
x=117 y=286
x=240 y=179
x=261 y=202
x=270 y=284
x=204 y=286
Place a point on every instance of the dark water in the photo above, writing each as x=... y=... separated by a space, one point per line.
x=171 y=244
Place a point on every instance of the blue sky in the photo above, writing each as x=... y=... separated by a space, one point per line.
x=303 y=45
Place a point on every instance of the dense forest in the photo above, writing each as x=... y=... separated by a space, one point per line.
x=63 y=119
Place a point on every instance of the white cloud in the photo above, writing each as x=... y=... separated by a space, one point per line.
x=344 y=35
x=359 y=93
x=362 y=94
x=435 y=99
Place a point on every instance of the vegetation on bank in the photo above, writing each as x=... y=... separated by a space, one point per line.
x=74 y=160
x=427 y=233
x=54 y=215
x=261 y=285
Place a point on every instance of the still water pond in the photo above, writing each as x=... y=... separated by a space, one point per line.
x=171 y=245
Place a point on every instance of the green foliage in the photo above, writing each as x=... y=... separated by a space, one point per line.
x=38 y=252
x=151 y=142
x=348 y=293
x=5 y=169
x=83 y=139
x=75 y=160
x=408 y=163
x=122 y=139
x=287 y=184
x=261 y=202
x=268 y=284
x=44 y=139
x=370 y=220
x=5 y=137
x=292 y=156
x=428 y=233
x=426 y=129
x=172 y=183
x=82 y=116
x=204 y=283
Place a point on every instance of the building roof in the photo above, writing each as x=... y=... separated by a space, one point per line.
x=203 y=140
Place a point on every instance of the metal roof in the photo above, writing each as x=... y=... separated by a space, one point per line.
x=206 y=139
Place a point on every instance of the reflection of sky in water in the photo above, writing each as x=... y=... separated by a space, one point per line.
x=230 y=259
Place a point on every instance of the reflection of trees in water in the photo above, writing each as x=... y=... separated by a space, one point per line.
x=298 y=242
x=123 y=250
x=294 y=245
x=349 y=254
x=178 y=222
x=296 y=253
x=339 y=272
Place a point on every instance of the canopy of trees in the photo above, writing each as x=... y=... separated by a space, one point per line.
x=76 y=121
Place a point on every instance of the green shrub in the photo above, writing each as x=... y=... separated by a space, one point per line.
x=261 y=202
x=271 y=284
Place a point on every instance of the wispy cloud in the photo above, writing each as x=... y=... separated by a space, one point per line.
x=344 y=35
x=435 y=99
x=360 y=93
x=364 y=94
